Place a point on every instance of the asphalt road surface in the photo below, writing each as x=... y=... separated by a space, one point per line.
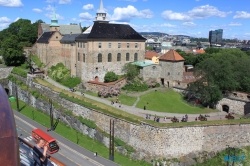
x=70 y=153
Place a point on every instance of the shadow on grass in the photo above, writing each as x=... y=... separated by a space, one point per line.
x=22 y=107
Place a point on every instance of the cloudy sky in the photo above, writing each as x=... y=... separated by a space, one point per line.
x=188 y=17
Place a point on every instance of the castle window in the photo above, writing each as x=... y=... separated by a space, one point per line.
x=109 y=57
x=119 y=45
x=127 y=45
x=118 y=57
x=78 y=44
x=99 y=57
x=100 y=45
x=136 y=45
x=83 y=45
x=78 y=57
x=127 y=57
x=109 y=45
x=83 y=57
x=154 y=67
x=136 y=57
x=168 y=73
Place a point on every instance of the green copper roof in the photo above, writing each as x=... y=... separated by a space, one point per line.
x=54 y=21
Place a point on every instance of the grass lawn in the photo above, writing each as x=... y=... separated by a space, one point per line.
x=169 y=101
x=70 y=134
x=127 y=100
x=91 y=93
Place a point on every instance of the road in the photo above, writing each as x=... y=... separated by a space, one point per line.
x=70 y=153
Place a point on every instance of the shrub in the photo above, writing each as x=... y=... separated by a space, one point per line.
x=62 y=75
x=110 y=77
x=1 y=61
x=136 y=86
x=108 y=92
x=35 y=93
x=71 y=81
x=157 y=85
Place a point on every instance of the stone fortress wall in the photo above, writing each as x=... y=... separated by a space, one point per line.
x=152 y=142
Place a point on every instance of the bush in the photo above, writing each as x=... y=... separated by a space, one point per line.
x=19 y=71
x=35 y=94
x=71 y=81
x=1 y=61
x=136 y=86
x=157 y=85
x=62 y=75
x=108 y=92
x=110 y=77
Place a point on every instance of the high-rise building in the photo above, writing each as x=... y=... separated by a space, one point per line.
x=215 y=36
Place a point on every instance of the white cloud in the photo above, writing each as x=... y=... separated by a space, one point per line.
x=37 y=10
x=64 y=1
x=234 y=24
x=86 y=16
x=199 y=12
x=127 y=13
x=49 y=8
x=188 y=24
x=4 y=20
x=50 y=15
x=241 y=15
x=11 y=3
x=17 y=19
x=88 y=7
x=170 y=15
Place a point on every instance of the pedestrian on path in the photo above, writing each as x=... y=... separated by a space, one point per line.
x=165 y=118
x=144 y=107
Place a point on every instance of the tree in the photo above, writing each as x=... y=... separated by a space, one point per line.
x=131 y=71
x=110 y=77
x=12 y=51
x=149 y=48
x=84 y=28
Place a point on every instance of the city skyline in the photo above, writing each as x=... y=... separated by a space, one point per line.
x=194 y=18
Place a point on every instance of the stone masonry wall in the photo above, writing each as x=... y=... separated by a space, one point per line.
x=153 y=141
x=241 y=107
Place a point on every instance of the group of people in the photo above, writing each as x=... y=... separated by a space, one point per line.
x=116 y=101
x=72 y=89
x=184 y=118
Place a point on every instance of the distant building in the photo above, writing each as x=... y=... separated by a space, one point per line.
x=215 y=36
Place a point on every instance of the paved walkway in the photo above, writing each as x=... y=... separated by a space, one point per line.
x=142 y=112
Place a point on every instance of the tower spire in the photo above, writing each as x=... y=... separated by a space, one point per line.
x=101 y=14
x=101 y=9
x=54 y=21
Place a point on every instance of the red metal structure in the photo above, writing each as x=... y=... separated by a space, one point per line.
x=50 y=141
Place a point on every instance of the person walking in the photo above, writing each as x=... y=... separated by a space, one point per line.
x=144 y=107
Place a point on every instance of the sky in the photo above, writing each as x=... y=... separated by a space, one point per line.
x=194 y=18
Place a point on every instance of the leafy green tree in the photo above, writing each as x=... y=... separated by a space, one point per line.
x=131 y=71
x=12 y=51
x=84 y=28
x=110 y=77
x=211 y=50
x=149 y=48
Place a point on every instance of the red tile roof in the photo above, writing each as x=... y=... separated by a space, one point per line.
x=188 y=77
x=171 y=55
x=150 y=55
